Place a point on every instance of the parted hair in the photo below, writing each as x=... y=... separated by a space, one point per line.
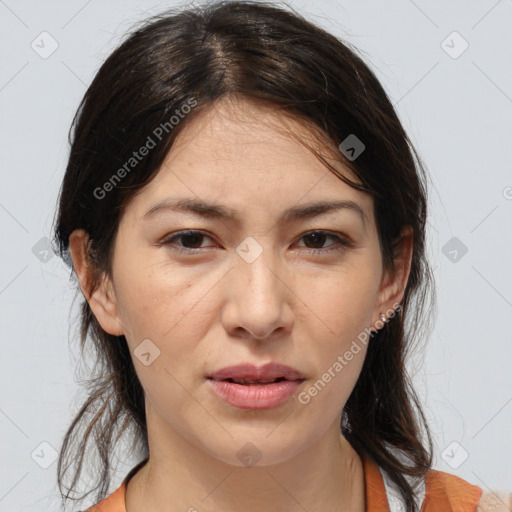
x=267 y=53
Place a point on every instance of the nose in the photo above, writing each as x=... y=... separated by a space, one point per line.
x=259 y=298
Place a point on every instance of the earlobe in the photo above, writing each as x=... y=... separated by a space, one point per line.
x=100 y=295
x=104 y=306
x=394 y=284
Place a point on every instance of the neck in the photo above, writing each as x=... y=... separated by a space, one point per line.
x=179 y=476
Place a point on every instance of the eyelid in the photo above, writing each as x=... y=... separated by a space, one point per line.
x=168 y=239
x=343 y=241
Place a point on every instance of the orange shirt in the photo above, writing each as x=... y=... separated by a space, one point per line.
x=443 y=492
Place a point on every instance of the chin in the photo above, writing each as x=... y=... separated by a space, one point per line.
x=258 y=449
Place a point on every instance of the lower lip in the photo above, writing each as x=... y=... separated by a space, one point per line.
x=255 y=396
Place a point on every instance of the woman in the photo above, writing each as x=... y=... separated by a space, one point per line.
x=263 y=370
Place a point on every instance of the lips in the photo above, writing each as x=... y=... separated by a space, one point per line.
x=245 y=386
x=248 y=382
x=247 y=374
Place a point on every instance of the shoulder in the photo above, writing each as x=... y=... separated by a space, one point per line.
x=436 y=491
x=454 y=493
x=115 y=502
x=493 y=501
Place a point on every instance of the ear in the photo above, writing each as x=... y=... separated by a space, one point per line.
x=102 y=300
x=393 y=284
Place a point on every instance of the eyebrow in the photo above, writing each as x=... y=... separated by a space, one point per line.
x=218 y=211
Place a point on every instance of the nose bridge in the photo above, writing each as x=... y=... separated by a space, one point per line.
x=258 y=264
x=258 y=292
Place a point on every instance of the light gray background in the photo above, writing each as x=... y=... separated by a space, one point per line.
x=457 y=112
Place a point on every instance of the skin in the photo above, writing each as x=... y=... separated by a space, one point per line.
x=213 y=309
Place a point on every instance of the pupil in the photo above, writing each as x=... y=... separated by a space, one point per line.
x=317 y=237
x=193 y=236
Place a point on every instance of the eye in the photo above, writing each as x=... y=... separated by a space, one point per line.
x=318 y=237
x=191 y=242
x=189 y=237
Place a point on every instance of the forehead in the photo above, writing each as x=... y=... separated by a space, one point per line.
x=241 y=154
x=233 y=128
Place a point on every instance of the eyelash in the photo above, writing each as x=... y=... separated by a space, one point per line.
x=342 y=245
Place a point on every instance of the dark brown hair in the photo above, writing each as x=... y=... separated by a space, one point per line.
x=266 y=53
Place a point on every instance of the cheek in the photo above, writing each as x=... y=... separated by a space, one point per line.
x=345 y=302
x=168 y=314
x=150 y=302
x=168 y=309
x=338 y=355
x=341 y=308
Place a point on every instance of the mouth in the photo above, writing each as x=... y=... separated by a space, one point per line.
x=252 y=382
x=247 y=387
x=247 y=373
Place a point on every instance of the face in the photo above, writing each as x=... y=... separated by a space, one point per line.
x=197 y=292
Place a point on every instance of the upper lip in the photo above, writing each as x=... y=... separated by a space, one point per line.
x=248 y=371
